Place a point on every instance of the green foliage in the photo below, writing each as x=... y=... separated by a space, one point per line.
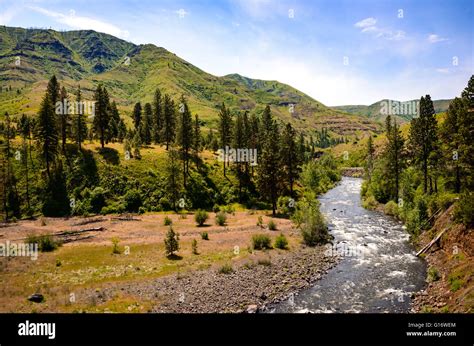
x=221 y=218
x=272 y=225
x=204 y=236
x=226 y=269
x=281 y=242
x=433 y=274
x=171 y=242
x=464 y=211
x=260 y=221
x=167 y=221
x=286 y=205
x=194 y=247
x=369 y=202
x=391 y=208
x=115 y=246
x=261 y=242
x=201 y=217
x=133 y=200
x=46 y=243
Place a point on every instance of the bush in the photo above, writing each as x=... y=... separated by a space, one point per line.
x=46 y=243
x=314 y=230
x=433 y=274
x=97 y=200
x=115 y=248
x=171 y=242
x=194 y=246
x=369 y=202
x=286 y=205
x=264 y=262
x=167 y=221
x=204 y=236
x=272 y=225
x=133 y=200
x=201 y=217
x=221 y=218
x=260 y=221
x=464 y=210
x=226 y=269
x=261 y=241
x=281 y=242
x=391 y=208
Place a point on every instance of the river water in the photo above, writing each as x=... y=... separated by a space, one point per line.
x=378 y=270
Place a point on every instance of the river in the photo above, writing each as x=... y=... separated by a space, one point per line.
x=378 y=270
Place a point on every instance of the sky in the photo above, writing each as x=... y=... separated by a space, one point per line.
x=338 y=52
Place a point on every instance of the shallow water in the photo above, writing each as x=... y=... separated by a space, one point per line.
x=378 y=270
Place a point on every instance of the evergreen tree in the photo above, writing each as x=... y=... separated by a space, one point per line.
x=370 y=157
x=423 y=137
x=169 y=121
x=239 y=143
x=394 y=152
x=137 y=115
x=102 y=114
x=173 y=182
x=114 y=122
x=185 y=136
x=25 y=130
x=53 y=90
x=157 y=117
x=269 y=177
x=146 y=124
x=290 y=158
x=225 y=130
x=63 y=118
x=197 y=140
x=79 y=127
x=122 y=131
x=46 y=133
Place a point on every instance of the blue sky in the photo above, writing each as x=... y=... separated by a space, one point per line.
x=338 y=52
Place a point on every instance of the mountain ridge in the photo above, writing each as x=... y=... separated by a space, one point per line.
x=132 y=73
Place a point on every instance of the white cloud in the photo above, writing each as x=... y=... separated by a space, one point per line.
x=7 y=15
x=442 y=70
x=83 y=23
x=367 y=22
x=433 y=38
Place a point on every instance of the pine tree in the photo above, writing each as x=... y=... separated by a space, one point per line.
x=114 y=122
x=173 y=174
x=79 y=127
x=46 y=133
x=157 y=117
x=53 y=90
x=102 y=114
x=370 y=157
x=290 y=158
x=225 y=130
x=269 y=177
x=185 y=136
x=137 y=115
x=423 y=137
x=197 y=140
x=169 y=121
x=239 y=143
x=146 y=124
x=122 y=131
x=63 y=118
x=25 y=130
x=171 y=242
x=394 y=152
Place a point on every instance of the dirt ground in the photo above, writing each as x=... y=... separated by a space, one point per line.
x=82 y=273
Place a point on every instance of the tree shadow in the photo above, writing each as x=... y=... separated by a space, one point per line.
x=174 y=257
x=110 y=155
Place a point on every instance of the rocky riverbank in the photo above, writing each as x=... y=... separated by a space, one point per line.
x=262 y=279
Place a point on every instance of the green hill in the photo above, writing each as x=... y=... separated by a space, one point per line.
x=28 y=57
x=406 y=109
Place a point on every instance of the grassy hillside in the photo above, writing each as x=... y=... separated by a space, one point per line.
x=374 y=110
x=28 y=57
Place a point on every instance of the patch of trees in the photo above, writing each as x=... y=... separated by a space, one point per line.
x=428 y=170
